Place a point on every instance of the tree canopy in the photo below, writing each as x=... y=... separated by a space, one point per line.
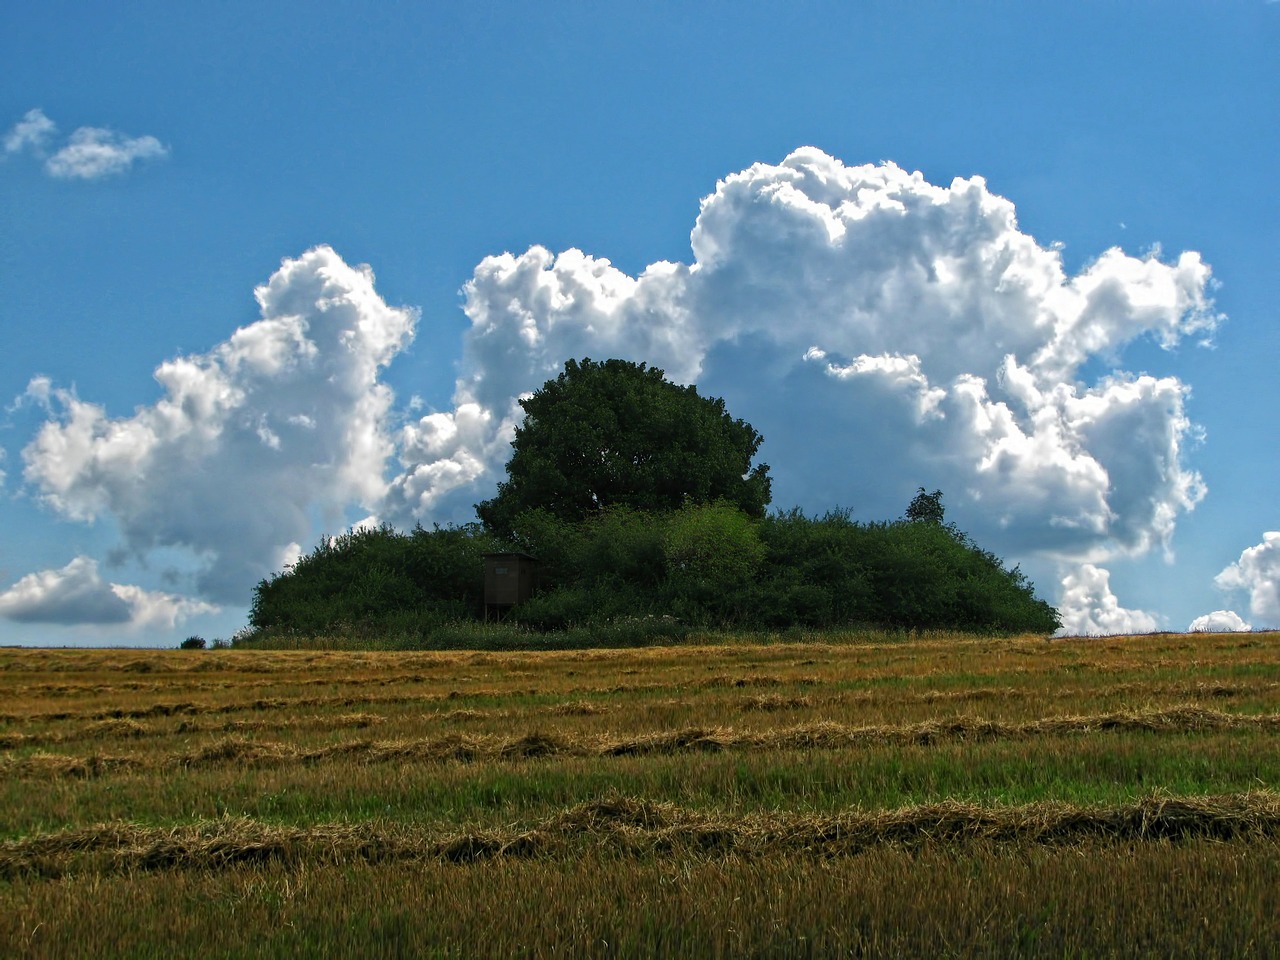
x=926 y=507
x=617 y=433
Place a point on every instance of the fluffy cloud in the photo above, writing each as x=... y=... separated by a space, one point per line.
x=93 y=152
x=882 y=332
x=1089 y=608
x=1258 y=572
x=286 y=418
x=1220 y=621
x=77 y=595
x=90 y=153
x=29 y=133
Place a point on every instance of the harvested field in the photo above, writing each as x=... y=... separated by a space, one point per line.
x=879 y=795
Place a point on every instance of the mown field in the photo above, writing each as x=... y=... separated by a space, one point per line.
x=867 y=795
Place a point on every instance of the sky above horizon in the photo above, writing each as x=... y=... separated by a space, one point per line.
x=266 y=275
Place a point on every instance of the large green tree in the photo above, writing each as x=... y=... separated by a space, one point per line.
x=617 y=433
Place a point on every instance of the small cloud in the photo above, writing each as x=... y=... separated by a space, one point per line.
x=1089 y=608
x=1258 y=572
x=31 y=132
x=38 y=393
x=76 y=595
x=94 y=152
x=90 y=153
x=1220 y=621
x=290 y=554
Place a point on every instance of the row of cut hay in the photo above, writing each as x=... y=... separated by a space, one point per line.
x=96 y=730
x=1177 y=719
x=187 y=708
x=133 y=730
x=471 y=748
x=642 y=829
x=344 y=674
x=866 y=697
x=879 y=695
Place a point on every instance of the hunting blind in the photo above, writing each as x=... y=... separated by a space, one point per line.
x=508 y=580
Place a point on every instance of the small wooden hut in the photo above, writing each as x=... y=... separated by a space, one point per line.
x=508 y=580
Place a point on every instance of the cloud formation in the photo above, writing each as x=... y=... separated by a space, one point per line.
x=1220 y=621
x=29 y=133
x=93 y=152
x=285 y=420
x=1089 y=608
x=882 y=332
x=90 y=153
x=77 y=595
x=1257 y=572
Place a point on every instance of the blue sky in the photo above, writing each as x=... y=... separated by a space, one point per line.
x=161 y=162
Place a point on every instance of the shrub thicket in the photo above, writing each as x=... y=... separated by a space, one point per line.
x=705 y=566
x=379 y=578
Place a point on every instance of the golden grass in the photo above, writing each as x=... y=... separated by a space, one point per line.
x=243 y=751
x=1168 y=900
x=948 y=796
x=639 y=828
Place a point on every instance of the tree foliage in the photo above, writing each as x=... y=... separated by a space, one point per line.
x=640 y=501
x=704 y=565
x=370 y=575
x=926 y=507
x=616 y=433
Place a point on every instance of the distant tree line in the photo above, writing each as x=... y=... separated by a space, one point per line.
x=640 y=501
x=707 y=565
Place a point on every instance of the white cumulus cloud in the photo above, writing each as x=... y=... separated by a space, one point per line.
x=1089 y=608
x=1220 y=621
x=1258 y=573
x=89 y=153
x=286 y=417
x=77 y=595
x=882 y=332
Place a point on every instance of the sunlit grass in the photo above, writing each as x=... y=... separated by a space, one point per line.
x=732 y=735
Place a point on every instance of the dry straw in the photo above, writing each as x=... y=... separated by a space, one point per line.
x=465 y=748
x=639 y=828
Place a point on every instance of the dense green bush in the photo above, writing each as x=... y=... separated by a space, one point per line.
x=641 y=575
x=379 y=578
x=640 y=502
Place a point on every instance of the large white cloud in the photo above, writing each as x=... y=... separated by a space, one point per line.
x=77 y=594
x=882 y=332
x=1089 y=608
x=286 y=418
x=1258 y=572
